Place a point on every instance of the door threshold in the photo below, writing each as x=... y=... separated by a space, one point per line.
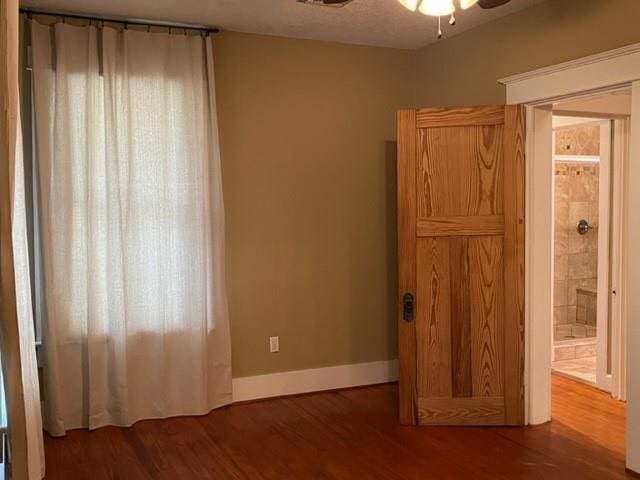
x=572 y=376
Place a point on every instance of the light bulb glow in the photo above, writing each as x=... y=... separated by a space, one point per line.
x=467 y=3
x=410 y=4
x=437 y=8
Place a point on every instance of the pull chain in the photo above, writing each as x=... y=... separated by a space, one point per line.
x=439 y=28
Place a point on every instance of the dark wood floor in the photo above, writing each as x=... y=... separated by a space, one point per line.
x=350 y=434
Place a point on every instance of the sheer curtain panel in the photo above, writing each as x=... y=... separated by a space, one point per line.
x=132 y=230
x=17 y=339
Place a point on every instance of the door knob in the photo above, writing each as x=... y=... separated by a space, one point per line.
x=407 y=307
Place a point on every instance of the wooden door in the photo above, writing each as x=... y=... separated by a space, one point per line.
x=461 y=257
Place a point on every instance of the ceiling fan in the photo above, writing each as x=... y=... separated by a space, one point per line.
x=326 y=3
x=441 y=8
x=492 y=3
x=342 y=3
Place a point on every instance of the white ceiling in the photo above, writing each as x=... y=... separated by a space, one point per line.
x=365 y=22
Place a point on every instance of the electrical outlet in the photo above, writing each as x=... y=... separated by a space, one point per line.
x=274 y=344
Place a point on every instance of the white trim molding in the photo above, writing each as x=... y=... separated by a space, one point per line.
x=577 y=158
x=632 y=297
x=314 y=380
x=538 y=265
x=606 y=72
x=617 y=67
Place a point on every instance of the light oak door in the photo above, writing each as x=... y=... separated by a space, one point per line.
x=461 y=265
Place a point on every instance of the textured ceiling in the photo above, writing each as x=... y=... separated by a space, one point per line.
x=365 y=22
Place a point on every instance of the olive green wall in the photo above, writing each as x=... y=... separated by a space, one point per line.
x=463 y=70
x=307 y=135
x=308 y=155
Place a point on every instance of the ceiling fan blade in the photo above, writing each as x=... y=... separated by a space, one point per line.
x=492 y=3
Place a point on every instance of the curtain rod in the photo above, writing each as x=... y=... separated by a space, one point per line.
x=124 y=21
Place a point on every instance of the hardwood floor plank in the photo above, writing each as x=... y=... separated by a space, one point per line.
x=478 y=452
x=350 y=434
x=368 y=447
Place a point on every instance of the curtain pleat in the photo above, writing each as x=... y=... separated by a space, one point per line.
x=17 y=339
x=136 y=319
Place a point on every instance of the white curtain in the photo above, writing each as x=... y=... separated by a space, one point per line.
x=132 y=228
x=17 y=339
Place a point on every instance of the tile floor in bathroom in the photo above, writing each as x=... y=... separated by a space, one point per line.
x=581 y=369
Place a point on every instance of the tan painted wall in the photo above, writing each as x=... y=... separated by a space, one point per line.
x=463 y=69
x=307 y=132
x=308 y=155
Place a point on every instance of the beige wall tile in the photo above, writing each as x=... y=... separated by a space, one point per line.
x=561 y=189
x=559 y=315
x=579 y=331
x=561 y=267
x=565 y=353
x=583 y=265
x=560 y=293
x=581 y=299
x=575 y=283
x=583 y=351
x=561 y=241
x=578 y=211
x=561 y=212
x=576 y=198
x=584 y=140
x=582 y=243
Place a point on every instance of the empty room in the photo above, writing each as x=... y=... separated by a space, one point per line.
x=319 y=239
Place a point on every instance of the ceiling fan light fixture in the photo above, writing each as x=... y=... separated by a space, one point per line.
x=410 y=4
x=437 y=8
x=443 y=8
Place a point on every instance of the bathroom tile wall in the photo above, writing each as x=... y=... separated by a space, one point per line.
x=576 y=256
x=583 y=140
x=586 y=313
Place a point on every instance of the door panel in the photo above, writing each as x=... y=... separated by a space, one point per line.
x=461 y=253
x=469 y=182
x=487 y=315
x=433 y=330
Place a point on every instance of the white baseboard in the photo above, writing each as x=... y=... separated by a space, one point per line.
x=314 y=380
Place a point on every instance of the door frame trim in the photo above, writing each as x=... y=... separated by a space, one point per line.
x=619 y=163
x=595 y=74
x=603 y=289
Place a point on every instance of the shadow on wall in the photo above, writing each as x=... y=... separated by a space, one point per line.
x=378 y=323
x=391 y=160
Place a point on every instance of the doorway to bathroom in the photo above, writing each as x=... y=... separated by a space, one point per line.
x=589 y=147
